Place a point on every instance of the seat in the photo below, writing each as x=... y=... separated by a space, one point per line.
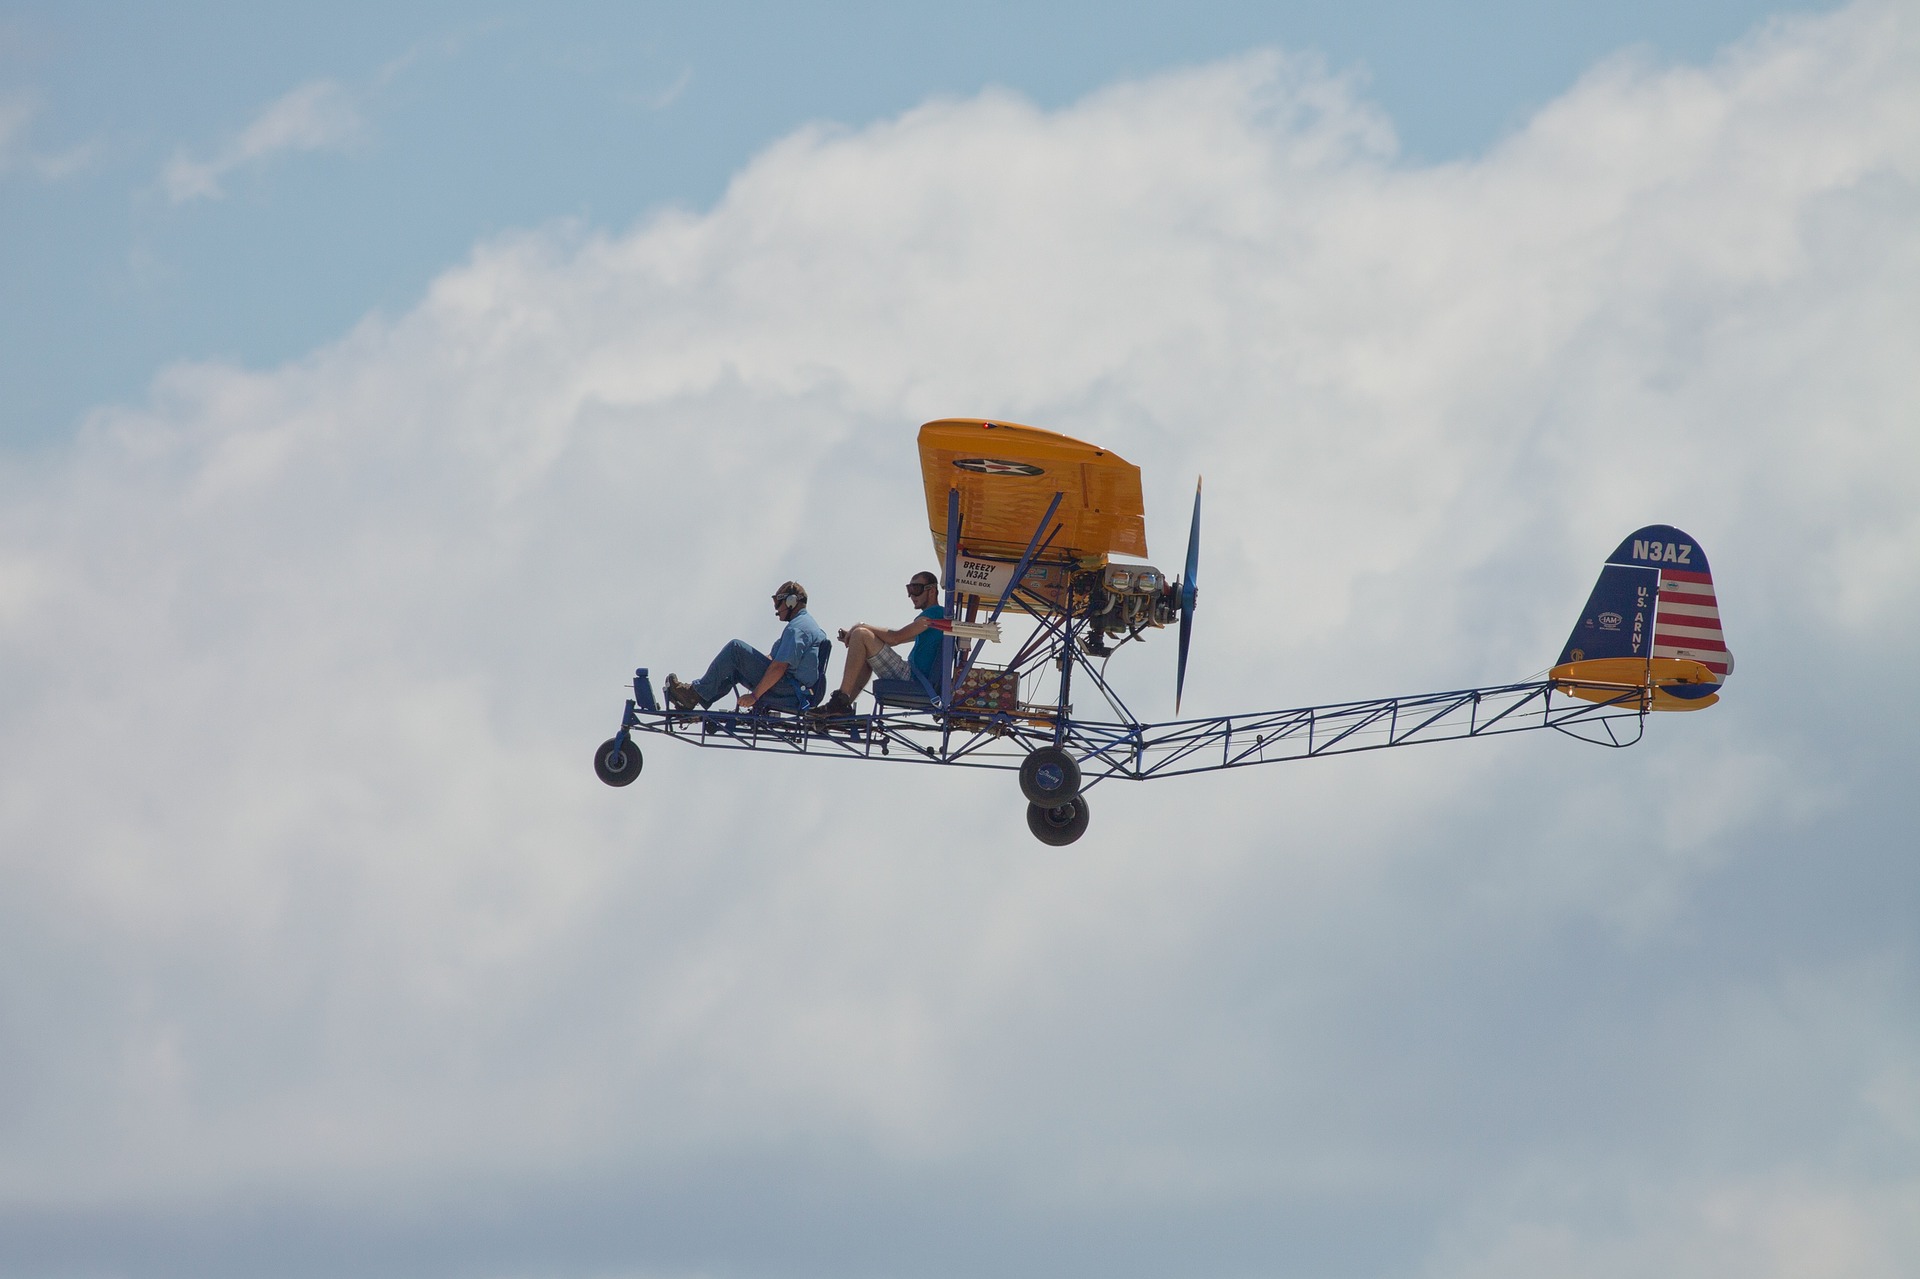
x=904 y=692
x=817 y=691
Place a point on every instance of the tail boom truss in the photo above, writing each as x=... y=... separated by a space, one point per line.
x=1107 y=750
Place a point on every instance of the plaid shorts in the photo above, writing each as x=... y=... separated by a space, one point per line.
x=888 y=664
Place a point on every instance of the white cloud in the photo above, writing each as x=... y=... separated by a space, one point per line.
x=1781 y=1227
x=661 y=99
x=18 y=111
x=320 y=115
x=310 y=897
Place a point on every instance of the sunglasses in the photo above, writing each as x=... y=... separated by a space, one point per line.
x=914 y=588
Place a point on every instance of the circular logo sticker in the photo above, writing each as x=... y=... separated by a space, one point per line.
x=996 y=466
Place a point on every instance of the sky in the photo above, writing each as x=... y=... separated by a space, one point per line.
x=381 y=388
x=243 y=183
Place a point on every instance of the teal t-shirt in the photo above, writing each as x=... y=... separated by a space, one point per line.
x=925 y=657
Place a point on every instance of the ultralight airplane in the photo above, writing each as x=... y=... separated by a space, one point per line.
x=1027 y=521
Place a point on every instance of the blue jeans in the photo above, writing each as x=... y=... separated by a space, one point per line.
x=742 y=664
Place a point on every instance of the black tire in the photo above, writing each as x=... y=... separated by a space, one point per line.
x=1049 y=776
x=1058 y=824
x=617 y=762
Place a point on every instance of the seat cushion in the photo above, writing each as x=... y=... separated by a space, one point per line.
x=901 y=691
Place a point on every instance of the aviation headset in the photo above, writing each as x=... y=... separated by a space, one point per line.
x=791 y=595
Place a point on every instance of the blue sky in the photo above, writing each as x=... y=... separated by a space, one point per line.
x=471 y=120
x=381 y=390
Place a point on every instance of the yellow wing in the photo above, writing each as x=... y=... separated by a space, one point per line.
x=1008 y=473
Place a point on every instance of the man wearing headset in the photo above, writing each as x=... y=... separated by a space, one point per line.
x=772 y=680
x=870 y=647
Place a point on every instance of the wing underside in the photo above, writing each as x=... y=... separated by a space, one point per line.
x=1007 y=475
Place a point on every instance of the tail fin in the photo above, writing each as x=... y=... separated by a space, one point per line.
x=1652 y=623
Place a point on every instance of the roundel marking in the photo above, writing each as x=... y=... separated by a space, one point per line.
x=996 y=466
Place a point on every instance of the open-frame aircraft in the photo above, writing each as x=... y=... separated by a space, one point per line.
x=1025 y=521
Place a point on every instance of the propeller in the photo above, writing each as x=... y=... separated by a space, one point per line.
x=1189 y=595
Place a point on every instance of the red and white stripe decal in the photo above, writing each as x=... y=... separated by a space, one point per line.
x=1687 y=641
x=1687 y=622
x=1671 y=632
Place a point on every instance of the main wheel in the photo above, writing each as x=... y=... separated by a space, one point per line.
x=1058 y=824
x=1049 y=776
x=617 y=761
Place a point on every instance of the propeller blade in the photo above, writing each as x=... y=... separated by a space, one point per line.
x=1189 y=596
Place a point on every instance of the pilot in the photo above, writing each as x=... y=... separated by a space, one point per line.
x=773 y=681
x=870 y=647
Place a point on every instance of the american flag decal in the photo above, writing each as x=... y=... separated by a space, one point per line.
x=1686 y=622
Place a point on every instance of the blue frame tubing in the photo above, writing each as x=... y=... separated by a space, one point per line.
x=1140 y=752
x=1129 y=749
x=945 y=703
x=1035 y=548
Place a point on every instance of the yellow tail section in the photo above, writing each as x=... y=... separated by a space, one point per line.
x=1665 y=683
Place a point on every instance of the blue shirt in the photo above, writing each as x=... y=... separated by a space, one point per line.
x=926 y=646
x=799 y=647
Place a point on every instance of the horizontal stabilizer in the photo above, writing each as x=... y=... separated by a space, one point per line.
x=1652 y=623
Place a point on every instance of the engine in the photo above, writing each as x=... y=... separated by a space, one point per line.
x=1128 y=598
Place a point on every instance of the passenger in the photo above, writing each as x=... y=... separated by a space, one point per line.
x=870 y=648
x=773 y=682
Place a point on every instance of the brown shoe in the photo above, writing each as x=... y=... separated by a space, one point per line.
x=681 y=696
x=837 y=706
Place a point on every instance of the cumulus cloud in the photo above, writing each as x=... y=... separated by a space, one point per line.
x=319 y=927
x=321 y=115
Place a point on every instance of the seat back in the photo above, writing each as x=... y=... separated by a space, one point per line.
x=819 y=690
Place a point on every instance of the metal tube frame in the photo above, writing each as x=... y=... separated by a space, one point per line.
x=1109 y=750
x=1125 y=748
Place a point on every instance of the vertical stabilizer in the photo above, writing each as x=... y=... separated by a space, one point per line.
x=1652 y=622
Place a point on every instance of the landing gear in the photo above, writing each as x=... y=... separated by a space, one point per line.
x=1058 y=824
x=1049 y=776
x=617 y=761
x=1056 y=810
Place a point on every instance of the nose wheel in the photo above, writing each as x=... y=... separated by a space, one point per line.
x=617 y=762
